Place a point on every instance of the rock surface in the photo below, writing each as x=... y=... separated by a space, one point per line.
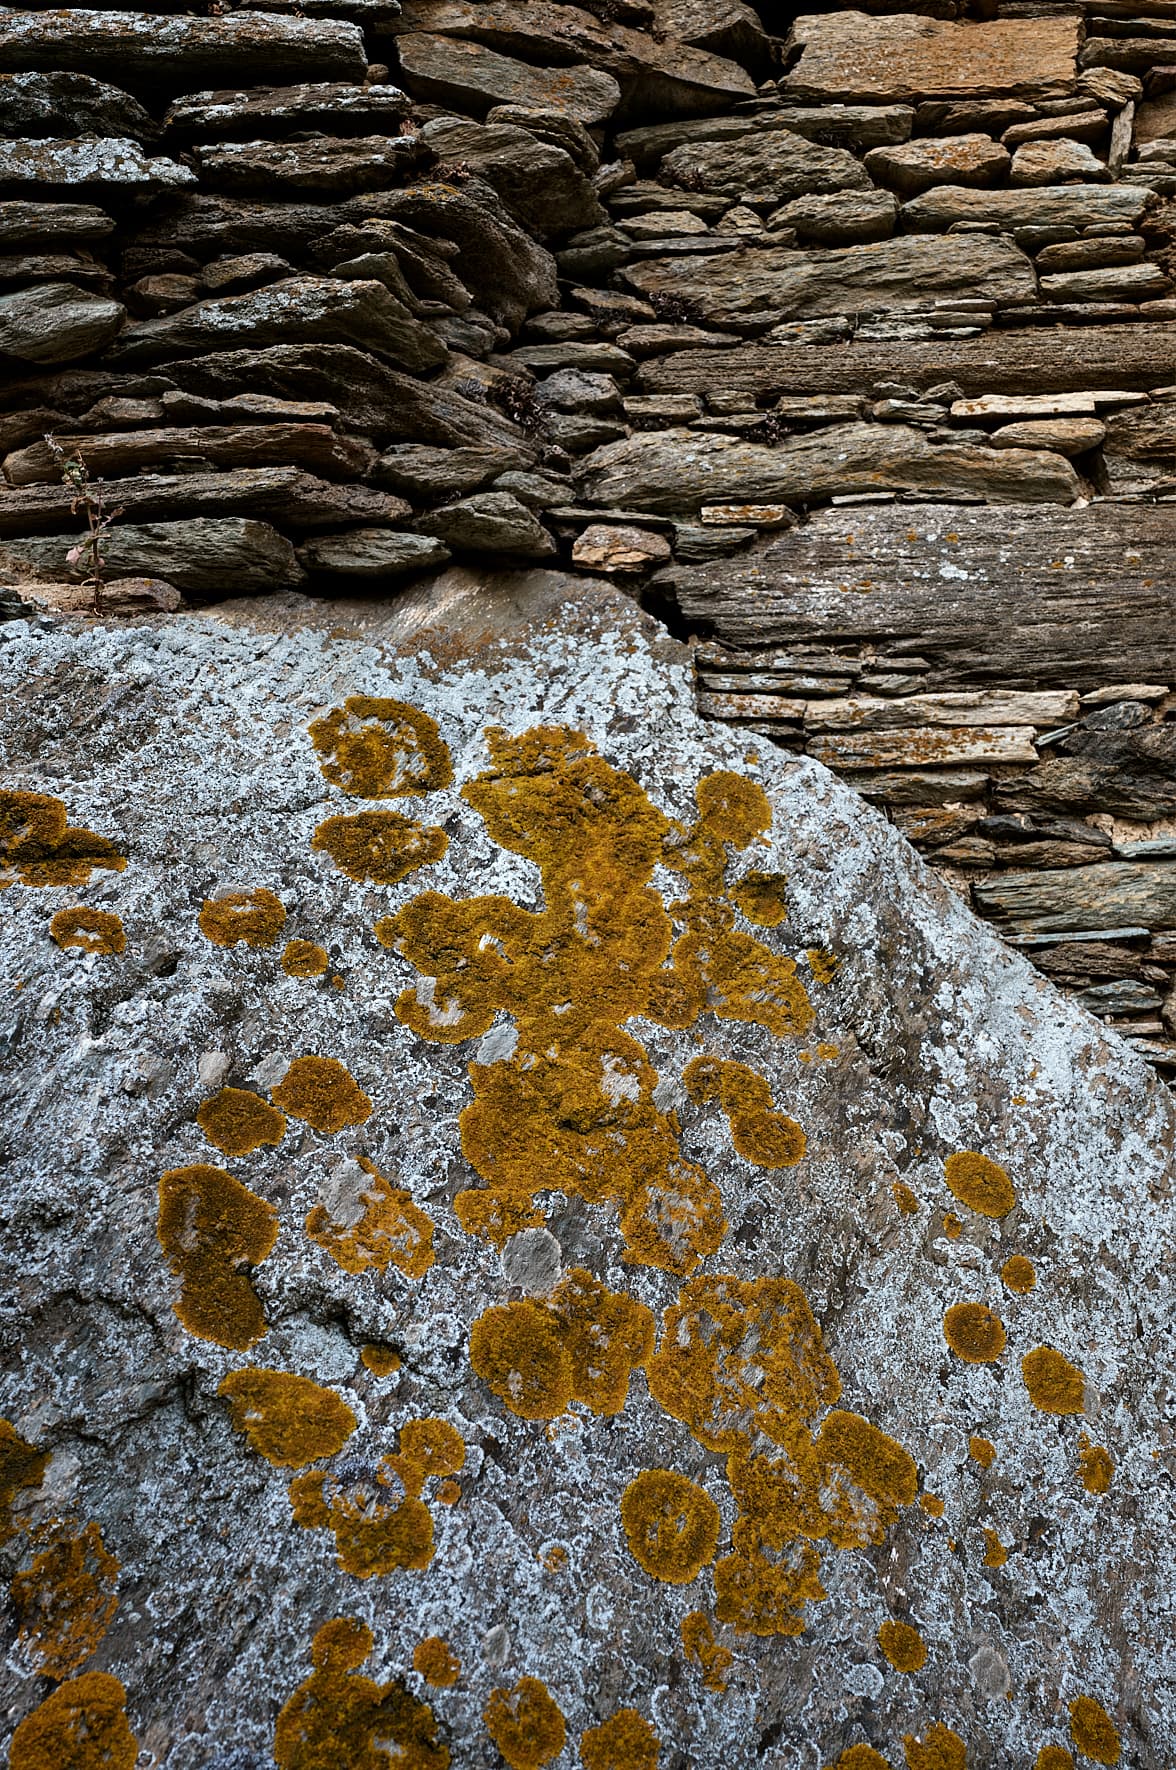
x=1039 y=1560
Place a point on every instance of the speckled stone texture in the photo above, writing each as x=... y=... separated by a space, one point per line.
x=186 y=741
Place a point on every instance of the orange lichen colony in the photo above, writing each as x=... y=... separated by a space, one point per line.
x=760 y=897
x=210 y=1227
x=903 y=1645
x=380 y=1226
x=572 y=1109
x=953 y=1226
x=581 y=1345
x=82 y=1726
x=382 y=1360
x=525 y=1724
x=982 y=1451
x=1055 y=1385
x=758 y=1133
x=701 y=1649
x=236 y=1121
x=740 y=1361
x=379 y=847
x=1054 y=1757
x=974 y=1333
x=980 y=1183
x=1017 y=1274
x=824 y=966
x=906 y=1200
x=320 y=1091
x=625 y=1741
x=436 y=1662
x=38 y=845
x=255 y=917
x=671 y=1525
x=860 y=1757
x=939 y=1749
x=931 y=1504
x=339 y=1717
x=287 y=1419
x=381 y=749
x=1093 y=1732
x=65 y=1601
x=1095 y=1466
x=995 y=1553
x=22 y=1466
x=372 y=1534
x=95 y=931
x=304 y=958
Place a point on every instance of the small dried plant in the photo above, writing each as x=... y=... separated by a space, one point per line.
x=87 y=495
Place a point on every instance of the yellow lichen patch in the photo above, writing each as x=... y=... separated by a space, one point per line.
x=22 y=1465
x=759 y=1595
x=323 y=1093
x=982 y=1451
x=373 y=1225
x=1095 y=1466
x=238 y=1121
x=1053 y=1757
x=701 y=1649
x=448 y=1493
x=860 y=1757
x=903 y=1646
x=436 y=1662
x=760 y=897
x=974 y=1333
x=1055 y=1385
x=980 y=1183
x=625 y=1741
x=741 y=1355
x=858 y=1460
x=995 y=1553
x=304 y=958
x=671 y=1525
x=375 y=1534
x=39 y=846
x=256 y=917
x=65 y=1600
x=375 y=748
x=824 y=966
x=758 y=1133
x=210 y=1227
x=572 y=1108
x=525 y=1724
x=95 y=931
x=1093 y=1732
x=379 y=847
x=953 y=1226
x=1017 y=1274
x=338 y=1717
x=554 y=1558
x=287 y=1419
x=518 y=1350
x=931 y=1504
x=939 y=1749
x=904 y=1198
x=82 y=1726
x=607 y=1334
x=382 y=1360
x=581 y=1345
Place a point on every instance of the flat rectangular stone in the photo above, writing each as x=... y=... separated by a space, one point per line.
x=851 y=56
x=239 y=46
x=1110 y=897
x=979 y=707
x=1006 y=407
x=1041 y=206
x=920 y=747
x=834 y=125
x=750 y=706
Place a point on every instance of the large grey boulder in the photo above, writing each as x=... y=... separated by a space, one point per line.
x=671 y=472
x=680 y=1242
x=760 y=286
x=57 y=323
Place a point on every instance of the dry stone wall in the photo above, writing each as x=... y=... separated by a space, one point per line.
x=847 y=339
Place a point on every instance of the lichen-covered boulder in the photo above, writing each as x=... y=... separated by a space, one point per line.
x=536 y=1232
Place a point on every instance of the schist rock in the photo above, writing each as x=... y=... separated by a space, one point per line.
x=41 y=105
x=645 y=1108
x=760 y=286
x=674 y=471
x=92 y=160
x=201 y=555
x=179 y=50
x=848 y=55
x=57 y=323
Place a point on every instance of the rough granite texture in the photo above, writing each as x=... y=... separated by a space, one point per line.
x=187 y=742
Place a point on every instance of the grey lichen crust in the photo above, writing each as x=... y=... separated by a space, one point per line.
x=187 y=744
